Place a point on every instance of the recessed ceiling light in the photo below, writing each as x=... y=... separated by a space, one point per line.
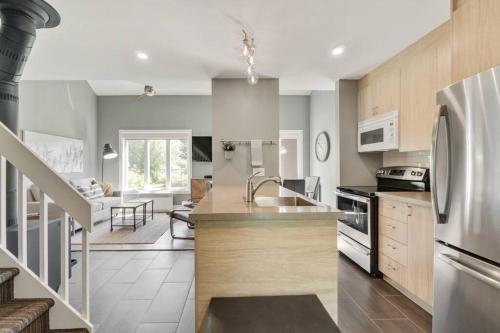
x=142 y=56
x=338 y=50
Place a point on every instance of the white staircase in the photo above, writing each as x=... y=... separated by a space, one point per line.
x=72 y=203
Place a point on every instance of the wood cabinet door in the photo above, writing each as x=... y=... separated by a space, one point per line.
x=476 y=46
x=387 y=92
x=420 y=252
x=418 y=101
x=364 y=103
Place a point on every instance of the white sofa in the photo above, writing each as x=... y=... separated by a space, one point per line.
x=100 y=206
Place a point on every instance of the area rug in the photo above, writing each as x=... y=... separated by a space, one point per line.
x=145 y=234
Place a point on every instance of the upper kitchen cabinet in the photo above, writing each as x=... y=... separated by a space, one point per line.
x=379 y=94
x=475 y=43
x=409 y=82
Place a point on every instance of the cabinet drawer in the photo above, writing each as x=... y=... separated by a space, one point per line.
x=393 y=249
x=395 y=210
x=393 y=229
x=392 y=269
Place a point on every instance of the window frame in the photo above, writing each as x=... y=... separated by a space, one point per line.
x=124 y=135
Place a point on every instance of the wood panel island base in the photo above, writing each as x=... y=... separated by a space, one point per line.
x=250 y=250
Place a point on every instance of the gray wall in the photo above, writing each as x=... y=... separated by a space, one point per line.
x=65 y=108
x=159 y=112
x=353 y=168
x=243 y=112
x=323 y=118
x=294 y=115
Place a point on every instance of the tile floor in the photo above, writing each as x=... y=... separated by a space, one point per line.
x=153 y=291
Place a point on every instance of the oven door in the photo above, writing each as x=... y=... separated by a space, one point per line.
x=357 y=220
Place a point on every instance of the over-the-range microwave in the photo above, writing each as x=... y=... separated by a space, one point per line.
x=379 y=133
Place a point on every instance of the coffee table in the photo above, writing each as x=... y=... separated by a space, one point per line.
x=134 y=207
x=146 y=202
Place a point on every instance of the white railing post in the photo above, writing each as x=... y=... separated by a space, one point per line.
x=64 y=287
x=22 y=242
x=85 y=275
x=44 y=240
x=3 y=203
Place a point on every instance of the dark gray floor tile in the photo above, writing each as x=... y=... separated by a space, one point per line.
x=414 y=313
x=131 y=271
x=157 y=328
x=397 y=326
x=118 y=259
x=146 y=254
x=147 y=285
x=187 y=323
x=182 y=271
x=353 y=319
x=125 y=317
x=164 y=259
x=168 y=304
x=104 y=300
x=191 y=290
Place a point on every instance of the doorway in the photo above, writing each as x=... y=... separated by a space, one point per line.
x=291 y=154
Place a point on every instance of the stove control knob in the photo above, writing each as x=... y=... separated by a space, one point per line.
x=420 y=174
x=413 y=173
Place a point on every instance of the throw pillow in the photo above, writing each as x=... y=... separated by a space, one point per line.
x=106 y=188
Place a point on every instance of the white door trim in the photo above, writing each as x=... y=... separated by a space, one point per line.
x=299 y=136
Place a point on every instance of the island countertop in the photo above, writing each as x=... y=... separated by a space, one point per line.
x=228 y=203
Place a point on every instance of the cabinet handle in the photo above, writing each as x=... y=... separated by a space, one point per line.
x=391 y=247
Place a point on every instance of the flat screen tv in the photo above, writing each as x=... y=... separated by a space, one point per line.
x=202 y=148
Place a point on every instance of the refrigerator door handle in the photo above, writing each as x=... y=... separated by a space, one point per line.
x=442 y=217
x=470 y=270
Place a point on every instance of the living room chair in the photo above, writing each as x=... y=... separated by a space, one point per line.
x=313 y=188
x=199 y=188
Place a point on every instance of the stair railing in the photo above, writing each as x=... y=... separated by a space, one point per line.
x=65 y=196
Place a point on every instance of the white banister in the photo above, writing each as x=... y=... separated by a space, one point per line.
x=64 y=287
x=44 y=238
x=3 y=203
x=65 y=196
x=85 y=275
x=49 y=181
x=22 y=230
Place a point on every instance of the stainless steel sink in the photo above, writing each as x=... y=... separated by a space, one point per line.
x=282 y=202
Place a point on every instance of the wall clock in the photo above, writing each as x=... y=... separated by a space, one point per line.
x=322 y=146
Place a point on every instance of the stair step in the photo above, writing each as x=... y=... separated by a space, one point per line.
x=70 y=330
x=7 y=284
x=19 y=314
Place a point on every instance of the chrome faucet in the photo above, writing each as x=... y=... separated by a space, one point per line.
x=250 y=190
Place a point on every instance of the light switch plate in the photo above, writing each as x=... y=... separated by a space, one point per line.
x=261 y=170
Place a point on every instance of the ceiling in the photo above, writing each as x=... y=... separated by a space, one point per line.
x=189 y=42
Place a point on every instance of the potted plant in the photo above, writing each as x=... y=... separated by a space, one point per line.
x=228 y=148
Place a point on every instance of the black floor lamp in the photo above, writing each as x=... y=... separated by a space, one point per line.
x=108 y=153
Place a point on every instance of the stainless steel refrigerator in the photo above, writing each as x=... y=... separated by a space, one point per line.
x=466 y=199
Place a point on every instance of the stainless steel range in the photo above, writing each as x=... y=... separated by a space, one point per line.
x=357 y=232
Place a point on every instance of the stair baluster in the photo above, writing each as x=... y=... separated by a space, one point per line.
x=22 y=230
x=3 y=203
x=44 y=240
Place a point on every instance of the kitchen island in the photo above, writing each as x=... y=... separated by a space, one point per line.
x=282 y=244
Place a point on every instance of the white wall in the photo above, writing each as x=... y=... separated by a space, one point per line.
x=243 y=112
x=64 y=108
x=323 y=117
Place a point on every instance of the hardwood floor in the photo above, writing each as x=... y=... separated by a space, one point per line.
x=153 y=291
x=371 y=305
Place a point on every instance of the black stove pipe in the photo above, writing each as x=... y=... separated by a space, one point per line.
x=19 y=21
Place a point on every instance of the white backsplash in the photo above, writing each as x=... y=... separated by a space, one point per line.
x=417 y=158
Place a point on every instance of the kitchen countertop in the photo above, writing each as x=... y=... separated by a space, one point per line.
x=224 y=203
x=416 y=198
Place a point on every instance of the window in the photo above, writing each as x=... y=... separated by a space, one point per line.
x=154 y=160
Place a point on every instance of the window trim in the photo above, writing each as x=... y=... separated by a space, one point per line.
x=124 y=135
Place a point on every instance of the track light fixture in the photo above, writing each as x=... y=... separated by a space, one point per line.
x=249 y=54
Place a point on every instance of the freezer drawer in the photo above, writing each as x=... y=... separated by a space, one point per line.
x=466 y=293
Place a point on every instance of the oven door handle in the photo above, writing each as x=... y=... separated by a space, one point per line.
x=352 y=197
x=355 y=246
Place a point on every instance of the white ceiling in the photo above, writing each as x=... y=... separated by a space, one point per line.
x=191 y=41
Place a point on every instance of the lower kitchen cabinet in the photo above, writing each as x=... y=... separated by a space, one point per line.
x=406 y=248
